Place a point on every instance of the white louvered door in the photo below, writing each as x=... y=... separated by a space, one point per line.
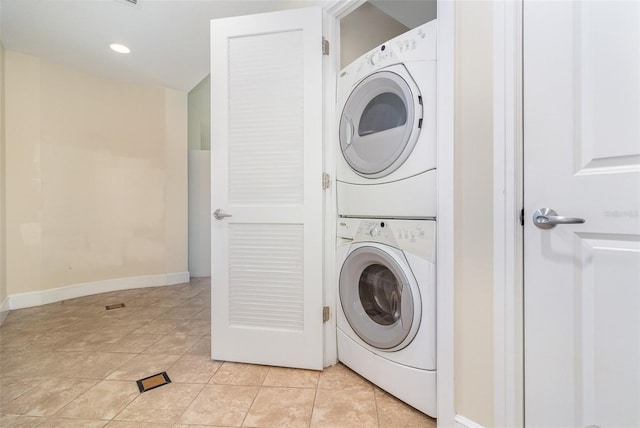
x=266 y=148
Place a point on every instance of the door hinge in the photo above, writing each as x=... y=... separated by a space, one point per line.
x=326 y=180
x=326 y=314
x=522 y=217
x=325 y=46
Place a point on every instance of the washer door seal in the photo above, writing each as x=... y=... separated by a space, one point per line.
x=378 y=295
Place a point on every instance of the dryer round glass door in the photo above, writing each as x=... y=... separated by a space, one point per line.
x=379 y=295
x=380 y=122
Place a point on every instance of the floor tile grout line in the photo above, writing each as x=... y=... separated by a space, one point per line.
x=313 y=406
x=70 y=402
x=40 y=381
x=375 y=401
x=252 y=401
x=204 y=386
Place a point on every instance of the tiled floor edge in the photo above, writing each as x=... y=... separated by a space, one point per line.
x=37 y=298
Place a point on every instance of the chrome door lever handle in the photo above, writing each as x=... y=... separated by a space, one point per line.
x=546 y=218
x=219 y=214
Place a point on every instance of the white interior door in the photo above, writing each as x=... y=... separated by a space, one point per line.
x=266 y=148
x=582 y=159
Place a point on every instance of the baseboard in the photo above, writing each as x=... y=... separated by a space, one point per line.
x=37 y=298
x=462 y=422
x=4 y=310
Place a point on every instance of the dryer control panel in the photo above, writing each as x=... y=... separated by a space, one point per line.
x=411 y=236
x=418 y=44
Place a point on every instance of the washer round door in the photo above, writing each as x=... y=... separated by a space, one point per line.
x=381 y=122
x=380 y=297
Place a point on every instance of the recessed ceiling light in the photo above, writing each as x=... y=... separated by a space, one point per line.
x=119 y=48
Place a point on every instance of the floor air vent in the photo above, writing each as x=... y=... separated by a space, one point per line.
x=154 y=381
x=116 y=306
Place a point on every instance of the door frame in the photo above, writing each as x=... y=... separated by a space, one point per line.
x=508 y=200
x=338 y=9
x=508 y=265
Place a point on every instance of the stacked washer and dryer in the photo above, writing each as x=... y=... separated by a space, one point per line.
x=386 y=190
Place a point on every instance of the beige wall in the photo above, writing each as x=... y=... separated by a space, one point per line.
x=3 y=251
x=96 y=177
x=473 y=212
x=364 y=29
x=200 y=115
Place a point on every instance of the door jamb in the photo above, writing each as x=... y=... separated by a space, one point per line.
x=338 y=9
x=333 y=11
x=445 y=302
x=508 y=200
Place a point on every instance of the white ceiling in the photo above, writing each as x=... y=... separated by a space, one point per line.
x=169 y=39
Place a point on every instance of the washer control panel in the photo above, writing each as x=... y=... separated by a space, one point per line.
x=376 y=231
x=412 y=236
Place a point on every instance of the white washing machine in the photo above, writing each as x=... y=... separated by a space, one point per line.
x=387 y=305
x=386 y=166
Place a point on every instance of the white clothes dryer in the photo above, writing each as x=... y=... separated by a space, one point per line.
x=386 y=166
x=387 y=305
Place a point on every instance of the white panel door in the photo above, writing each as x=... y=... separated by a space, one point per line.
x=266 y=148
x=582 y=159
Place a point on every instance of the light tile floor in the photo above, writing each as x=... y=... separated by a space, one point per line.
x=74 y=364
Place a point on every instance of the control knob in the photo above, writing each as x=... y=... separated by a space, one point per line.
x=374 y=232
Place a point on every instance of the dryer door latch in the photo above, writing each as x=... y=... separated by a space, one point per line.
x=325 y=46
x=326 y=314
x=326 y=180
